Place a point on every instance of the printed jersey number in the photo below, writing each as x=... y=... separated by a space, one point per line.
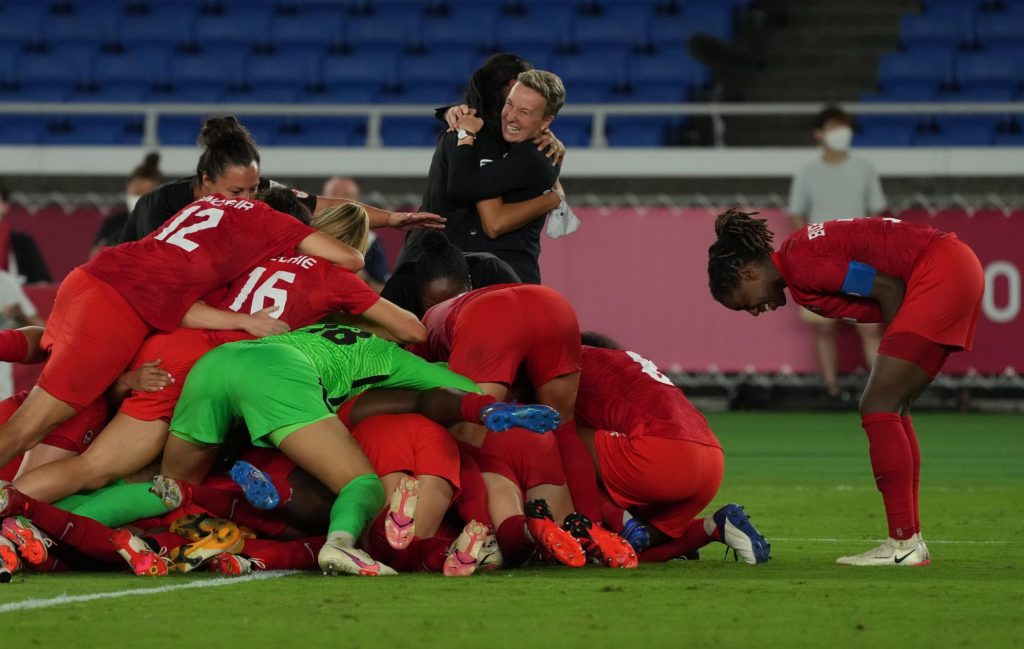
x=650 y=369
x=172 y=235
x=339 y=334
x=269 y=290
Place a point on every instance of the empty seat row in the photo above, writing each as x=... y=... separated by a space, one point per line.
x=945 y=130
x=962 y=24
x=939 y=67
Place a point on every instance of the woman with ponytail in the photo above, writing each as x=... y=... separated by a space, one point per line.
x=924 y=284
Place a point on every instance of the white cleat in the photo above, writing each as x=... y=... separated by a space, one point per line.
x=344 y=560
x=400 y=522
x=490 y=554
x=465 y=553
x=911 y=552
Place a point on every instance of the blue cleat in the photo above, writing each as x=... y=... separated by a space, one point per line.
x=499 y=417
x=259 y=489
x=637 y=534
x=736 y=531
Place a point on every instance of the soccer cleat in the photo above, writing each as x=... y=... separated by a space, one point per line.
x=31 y=543
x=490 y=554
x=464 y=554
x=637 y=534
x=911 y=552
x=12 y=501
x=400 y=522
x=739 y=534
x=558 y=543
x=9 y=559
x=335 y=559
x=235 y=565
x=222 y=536
x=196 y=526
x=257 y=486
x=172 y=492
x=608 y=549
x=500 y=416
x=140 y=557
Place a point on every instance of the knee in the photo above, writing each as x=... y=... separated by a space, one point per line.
x=872 y=402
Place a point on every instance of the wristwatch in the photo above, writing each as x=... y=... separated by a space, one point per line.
x=464 y=133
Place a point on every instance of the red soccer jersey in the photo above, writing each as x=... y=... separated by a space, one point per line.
x=306 y=288
x=829 y=267
x=624 y=392
x=440 y=321
x=204 y=246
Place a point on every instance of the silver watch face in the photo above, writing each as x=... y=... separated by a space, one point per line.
x=462 y=133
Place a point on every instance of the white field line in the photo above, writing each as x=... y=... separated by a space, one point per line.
x=199 y=583
x=929 y=541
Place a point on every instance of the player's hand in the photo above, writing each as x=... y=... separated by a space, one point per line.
x=452 y=115
x=148 y=377
x=470 y=122
x=263 y=323
x=415 y=221
x=552 y=147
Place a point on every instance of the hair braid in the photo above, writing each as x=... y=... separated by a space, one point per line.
x=741 y=240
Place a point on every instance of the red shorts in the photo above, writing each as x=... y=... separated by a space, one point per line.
x=525 y=458
x=664 y=481
x=92 y=335
x=409 y=444
x=529 y=325
x=76 y=433
x=178 y=351
x=943 y=297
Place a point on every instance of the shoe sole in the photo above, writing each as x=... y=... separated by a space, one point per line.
x=615 y=551
x=533 y=419
x=463 y=563
x=9 y=559
x=400 y=522
x=352 y=564
x=29 y=546
x=141 y=563
x=561 y=545
x=739 y=520
x=169 y=491
x=259 y=490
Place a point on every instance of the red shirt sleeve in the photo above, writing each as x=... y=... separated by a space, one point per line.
x=346 y=292
x=840 y=306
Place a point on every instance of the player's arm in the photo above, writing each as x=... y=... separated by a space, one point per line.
x=380 y=218
x=259 y=324
x=389 y=321
x=888 y=291
x=319 y=244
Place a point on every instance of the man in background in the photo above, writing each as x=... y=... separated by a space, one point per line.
x=375 y=272
x=836 y=185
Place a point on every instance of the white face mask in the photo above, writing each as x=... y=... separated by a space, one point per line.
x=838 y=139
x=130 y=200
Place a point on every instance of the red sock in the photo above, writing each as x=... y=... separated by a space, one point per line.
x=580 y=474
x=13 y=346
x=232 y=504
x=471 y=504
x=515 y=544
x=915 y=454
x=893 y=467
x=472 y=404
x=611 y=514
x=300 y=554
x=420 y=555
x=83 y=534
x=693 y=538
x=166 y=541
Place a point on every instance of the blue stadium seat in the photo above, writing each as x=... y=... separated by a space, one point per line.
x=316 y=25
x=93 y=130
x=710 y=17
x=884 y=135
x=370 y=67
x=615 y=26
x=19 y=21
x=395 y=28
x=645 y=69
x=240 y=28
x=897 y=68
x=68 y=65
x=89 y=26
x=573 y=130
x=909 y=91
x=323 y=131
x=9 y=55
x=262 y=94
x=141 y=65
x=435 y=94
x=542 y=26
x=539 y=56
x=627 y=131
x=1009 y=139
x=1000 y=29
x=22 y=129
x=934 y=29
x=409 y=131
x=988 y=70
x=954 y=10
x=658 y=92
x=961 y=136
x=452 y=29
x=295 y=67
x=189 y=93
x=36 y=91
x=590 y=67
x=179 y=130
x=214 y=65
x=438 y=67
x=115 y=91
x=343 y=93
x=589 y=92
x=166 y=25
x=977 y=93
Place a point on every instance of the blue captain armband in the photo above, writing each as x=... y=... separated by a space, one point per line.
x=860 y=278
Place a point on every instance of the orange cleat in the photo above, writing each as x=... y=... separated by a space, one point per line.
x=609 y=549
x=32 y=544
x=558 y=543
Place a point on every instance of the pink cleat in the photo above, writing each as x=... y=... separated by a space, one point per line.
x=32 y=544
x=464 y=555
x=400 y=522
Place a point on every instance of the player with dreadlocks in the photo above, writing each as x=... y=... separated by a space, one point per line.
x=926 y=285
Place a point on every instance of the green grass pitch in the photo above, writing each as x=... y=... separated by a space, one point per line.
x=804 y=479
